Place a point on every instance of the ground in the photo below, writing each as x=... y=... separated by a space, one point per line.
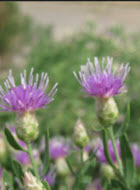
x=69 y=17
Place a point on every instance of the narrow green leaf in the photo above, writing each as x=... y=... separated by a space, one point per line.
x=106 y=151
x=137 y=187
x=47 y=154
x=46 y=185
x=125 y=124
x=11 y=140
x=117 y=185
x=17 y=169
x=127 y=159
x=8 y=180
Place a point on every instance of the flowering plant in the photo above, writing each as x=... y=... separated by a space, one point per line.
x=83 y=161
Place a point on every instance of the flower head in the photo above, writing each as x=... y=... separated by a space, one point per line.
x=29 y=96
x=59 y=147
x=100 y=81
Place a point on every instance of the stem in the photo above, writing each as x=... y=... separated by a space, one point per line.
x=32 y=160
x=81 y=153
x=111 y=133
x=70 y=167
x=47 y=154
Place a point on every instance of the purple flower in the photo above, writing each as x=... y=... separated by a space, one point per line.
x=136 y=153
x=29 y=96
x=101 y=156
x=24 y=159
x=100 y=152
x=50 y=177
x=100 y=81
x=59 y=147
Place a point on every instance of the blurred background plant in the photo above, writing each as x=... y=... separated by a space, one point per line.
x=40 y=49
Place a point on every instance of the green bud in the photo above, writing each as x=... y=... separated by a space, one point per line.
x=3 y=150
x=61 y=167
x=107 y=111
x=27 y=127
x=107 y=171
x=32 y=183
x=81 y=138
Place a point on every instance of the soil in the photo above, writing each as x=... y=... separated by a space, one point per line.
x=68 y=17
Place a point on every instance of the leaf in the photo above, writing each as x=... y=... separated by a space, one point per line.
x=125 y=124
x=116 y=185
x=46 y=185
x=127 y=159
x=31 y=170
x=47 y=154
x=11 y=140
x=8 y=180
x=85 y=180
x=106 y=151
x=137 y=187
x=17 y=170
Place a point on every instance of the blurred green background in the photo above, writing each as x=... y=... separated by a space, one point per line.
x=45 y=37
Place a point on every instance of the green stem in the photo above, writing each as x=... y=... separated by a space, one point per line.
x=81 y=154
x=106 y=150
x=112 y=136
x=32 y=160
x=70 y=167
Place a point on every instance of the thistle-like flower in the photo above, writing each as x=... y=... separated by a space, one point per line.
x=27 y=97
x=100 y=81
x=59 y=147
x=103 y=83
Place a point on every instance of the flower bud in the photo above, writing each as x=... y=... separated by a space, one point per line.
x=81 y=138
x=32 y=183
x=107 y=171
x=3 y=150
x=27 y=127
x=107 y=111
x=61 y=167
